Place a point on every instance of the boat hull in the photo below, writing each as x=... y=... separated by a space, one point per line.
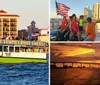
x=13 y=60
x=22 y=57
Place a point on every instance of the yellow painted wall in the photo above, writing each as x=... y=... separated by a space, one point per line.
x=43 y=38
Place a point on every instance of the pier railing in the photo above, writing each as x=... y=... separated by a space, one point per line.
x=53 y=64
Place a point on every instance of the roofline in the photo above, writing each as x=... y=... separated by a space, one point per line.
x=43 y=29
x=44 y=35
x=3 y=11
x=9 y=15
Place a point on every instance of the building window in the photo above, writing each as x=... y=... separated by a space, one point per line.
x=11 y=49
x=11 y=29
x=5 y=24
x=12 y=25
x=17 y=49
x=4 y=28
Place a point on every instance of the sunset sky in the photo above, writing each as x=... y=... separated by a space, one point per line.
x=75 y=52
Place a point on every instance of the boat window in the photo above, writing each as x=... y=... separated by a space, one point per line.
x=5 y=48
x=0 y=48
x=11 y=49
x=16 y=49
x=28 y=50
x=22 y=49
x=36 y=50
x=41 y=50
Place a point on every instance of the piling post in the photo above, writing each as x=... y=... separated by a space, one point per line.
x=63 y=64
x=81 y=65
x=72 y=64
x=54 y=63
x=89 y=66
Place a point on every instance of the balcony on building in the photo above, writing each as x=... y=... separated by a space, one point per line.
x=5 y=20
x=6 y=24
x=13 y=20
x=13 y=29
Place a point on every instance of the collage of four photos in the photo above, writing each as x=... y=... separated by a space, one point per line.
x=50 y=42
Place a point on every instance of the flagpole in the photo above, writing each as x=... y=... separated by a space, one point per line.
x=57 y=19
x=56 y=13
x=56 y=8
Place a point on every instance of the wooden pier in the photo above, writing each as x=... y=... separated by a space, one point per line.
x=53 y=64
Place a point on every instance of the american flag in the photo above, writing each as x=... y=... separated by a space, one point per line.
x=62 y=9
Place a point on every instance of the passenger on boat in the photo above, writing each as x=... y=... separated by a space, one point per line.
x=67 y=34
x=62 y=30
x=17 y=38
x=9 y=37
x=81 y=23
x=41 y=50
x=90 y=30
x=74 y=28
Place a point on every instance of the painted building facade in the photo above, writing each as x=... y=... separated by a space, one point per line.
x=8 y=24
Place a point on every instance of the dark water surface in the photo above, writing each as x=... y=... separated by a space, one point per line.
x=24 y=74
x=75 y=76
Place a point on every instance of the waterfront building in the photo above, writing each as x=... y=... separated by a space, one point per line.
x=55 y=23
x=96 y=11
x=22 y=33
x=44 y=35
x=8 y=24
x=87 y=12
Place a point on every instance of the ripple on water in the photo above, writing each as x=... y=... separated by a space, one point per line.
x=24 y=74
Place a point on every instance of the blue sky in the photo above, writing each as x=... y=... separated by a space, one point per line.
x=77 y=6
x=28 y=10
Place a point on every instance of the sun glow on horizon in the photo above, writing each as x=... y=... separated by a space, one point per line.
x=70 y=51
x=78 y=51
